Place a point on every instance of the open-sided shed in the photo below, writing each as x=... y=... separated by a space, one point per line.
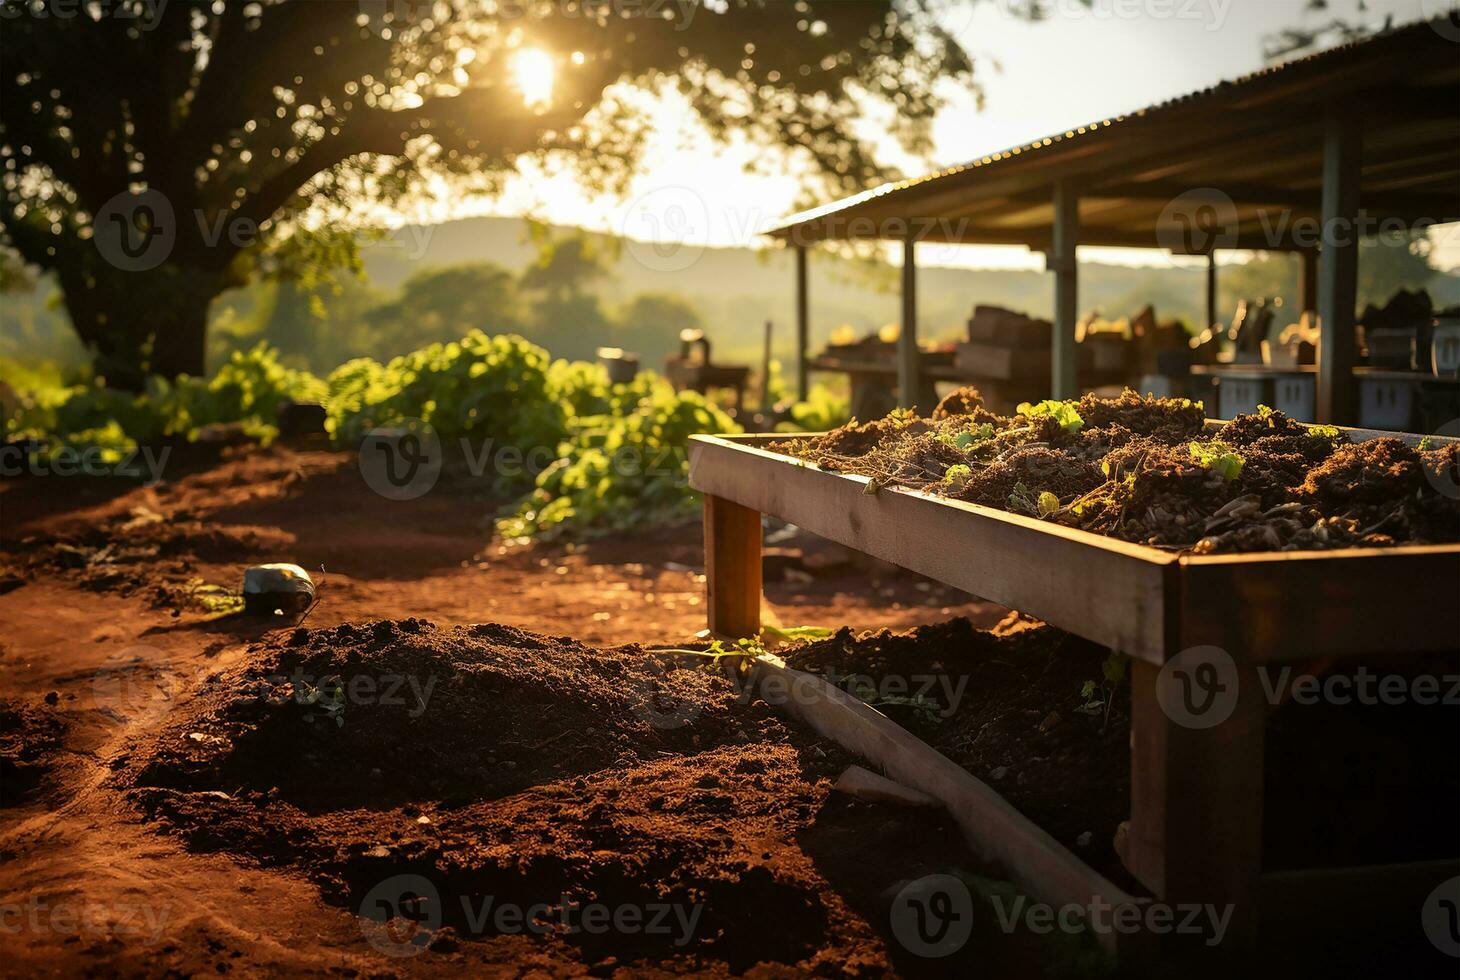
x=1306 y=157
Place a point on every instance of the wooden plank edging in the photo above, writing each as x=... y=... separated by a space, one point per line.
x=1036 y=863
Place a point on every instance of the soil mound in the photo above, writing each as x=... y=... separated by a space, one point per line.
x=536 y=773
x=390 y=712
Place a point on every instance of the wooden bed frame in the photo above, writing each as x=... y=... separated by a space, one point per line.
x=1195 y=833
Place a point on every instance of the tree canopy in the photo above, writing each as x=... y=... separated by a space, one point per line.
x=155 y=154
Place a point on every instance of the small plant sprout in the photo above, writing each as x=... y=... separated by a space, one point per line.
x=1098 y=696
x=1062 y=412
x=1042 y=505
x=957 y=477
x=1332 y=433
x=1218 y=457
x=1426 y=443
x=982 y=432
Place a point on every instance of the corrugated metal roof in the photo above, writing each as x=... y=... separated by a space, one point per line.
x=1274 y=76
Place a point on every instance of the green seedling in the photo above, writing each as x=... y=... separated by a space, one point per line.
x=1062 y=412
x=1218 y=457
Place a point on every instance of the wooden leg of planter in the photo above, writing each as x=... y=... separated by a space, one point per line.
x=732 y=567
x=1195 y=834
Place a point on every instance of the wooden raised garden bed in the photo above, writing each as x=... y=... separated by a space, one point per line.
x=1195 y=830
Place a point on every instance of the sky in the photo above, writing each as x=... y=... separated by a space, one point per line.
x=1079 y=65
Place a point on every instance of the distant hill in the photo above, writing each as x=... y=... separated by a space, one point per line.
x=737 y=289
x=734 y=290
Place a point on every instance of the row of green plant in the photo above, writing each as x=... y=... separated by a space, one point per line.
x=619 y=448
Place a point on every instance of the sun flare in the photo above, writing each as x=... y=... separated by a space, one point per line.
x=533 y=72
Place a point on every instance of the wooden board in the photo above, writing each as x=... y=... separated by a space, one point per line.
x=1270 y=606
x=1037 y=864
x=1107 y=590
x=1002 y=363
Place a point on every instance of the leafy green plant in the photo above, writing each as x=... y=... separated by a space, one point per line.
x=1098 y=696
x=1218 y=457
x=480 y=387
x=1062 y=412
x=621 y=469
x=957 y=477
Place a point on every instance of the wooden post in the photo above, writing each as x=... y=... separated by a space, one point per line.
x=1308 y=281
x=908 y=382
x=1197 y=738
x=1211 y=289
x=1338 y=267
x=732 y=568
x=765 y=367
x=1064 y=379
x=803 y=325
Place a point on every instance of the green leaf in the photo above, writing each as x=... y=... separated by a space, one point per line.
x=1218 y=457
x=1062 y=412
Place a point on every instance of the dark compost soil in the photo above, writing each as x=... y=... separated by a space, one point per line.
x=1148 y=470
x=539 y=772
x=1345 y=784
x=31 y=734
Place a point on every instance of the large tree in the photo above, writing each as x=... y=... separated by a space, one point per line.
x=155 y=153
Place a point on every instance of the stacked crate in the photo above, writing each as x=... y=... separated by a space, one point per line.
x=1007 y=356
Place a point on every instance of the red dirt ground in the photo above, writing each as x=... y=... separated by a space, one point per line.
x=104 y=632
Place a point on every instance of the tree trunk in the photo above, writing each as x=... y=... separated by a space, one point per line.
x=138 y=324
